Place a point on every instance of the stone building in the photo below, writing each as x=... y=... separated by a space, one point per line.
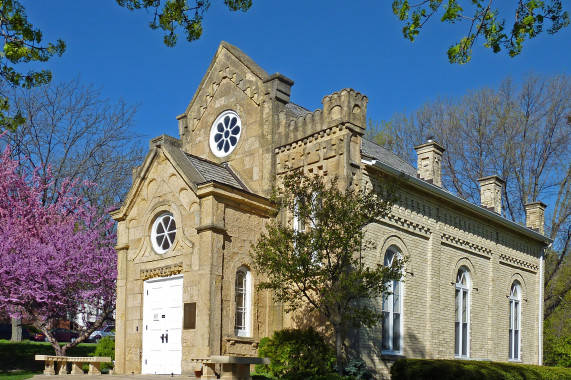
x=186 y=289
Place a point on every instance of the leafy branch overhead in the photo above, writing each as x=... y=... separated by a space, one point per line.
x=169 y=15
x=22 y=44
x=530 y=17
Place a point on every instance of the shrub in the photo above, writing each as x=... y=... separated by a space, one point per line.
x=106 y=347
x=424 y=369
x=308 y=376
x=296 y=351
x=557 y=351
x=357 y=369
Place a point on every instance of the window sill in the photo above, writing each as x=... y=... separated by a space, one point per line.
x=233 y=339
x=515 y=361
x=392 y=356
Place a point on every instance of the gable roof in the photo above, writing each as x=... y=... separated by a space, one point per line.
x=239 y=55
x=213 y=172
x=371 y=150
x=388 y=161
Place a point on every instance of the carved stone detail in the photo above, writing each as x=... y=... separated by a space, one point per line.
x=165 y=271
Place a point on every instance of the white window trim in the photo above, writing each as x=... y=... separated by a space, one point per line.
x=468 y=302
x=389 y=300
x=246 y=331
x=214 y=131
x=159 y=249
x=513 y=301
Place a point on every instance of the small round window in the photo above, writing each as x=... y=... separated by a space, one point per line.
x=163 y=233
x=225 y=133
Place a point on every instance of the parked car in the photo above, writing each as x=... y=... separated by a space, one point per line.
x=98 y=334
x=63 y=335
x=39 y=337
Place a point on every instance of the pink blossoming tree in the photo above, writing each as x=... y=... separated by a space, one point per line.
x=56 y=260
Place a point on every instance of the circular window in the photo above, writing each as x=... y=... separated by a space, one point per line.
x=163 y=233
x=225 y=133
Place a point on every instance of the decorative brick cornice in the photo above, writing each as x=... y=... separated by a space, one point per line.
x=518 y=262
x=408 y=225
x=165 y=271
x=465 y=244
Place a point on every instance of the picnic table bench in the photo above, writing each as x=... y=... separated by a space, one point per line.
x=232 y=367
x=58 y=364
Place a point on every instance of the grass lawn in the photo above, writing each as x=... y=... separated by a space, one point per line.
x=17 y=360
x=17 y=375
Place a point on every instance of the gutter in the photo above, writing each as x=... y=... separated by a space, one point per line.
x=459 y=201
x=540 y=313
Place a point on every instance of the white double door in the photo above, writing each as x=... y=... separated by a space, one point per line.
x=162 y=326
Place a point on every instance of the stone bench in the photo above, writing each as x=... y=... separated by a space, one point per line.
x=232 y=367
x=58 y=364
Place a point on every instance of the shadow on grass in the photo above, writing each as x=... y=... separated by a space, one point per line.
x=18 y=359
x=17 y=375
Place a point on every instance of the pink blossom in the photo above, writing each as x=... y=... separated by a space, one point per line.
x=56 y=260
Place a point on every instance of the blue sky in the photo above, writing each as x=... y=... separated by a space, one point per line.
x=323 y=46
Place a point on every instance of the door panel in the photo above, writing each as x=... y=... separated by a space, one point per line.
x=162 y=326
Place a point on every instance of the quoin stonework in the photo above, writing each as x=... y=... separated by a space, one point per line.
x=186 y=290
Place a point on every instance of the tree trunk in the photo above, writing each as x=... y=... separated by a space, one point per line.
x=16 y=330
x=339 y=348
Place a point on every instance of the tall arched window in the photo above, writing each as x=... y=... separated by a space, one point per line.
x=462 y=345
x=243 y=296
x=392 y=311
x=515 y=323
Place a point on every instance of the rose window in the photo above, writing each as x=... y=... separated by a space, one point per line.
x=163 y=233
x=225 y=133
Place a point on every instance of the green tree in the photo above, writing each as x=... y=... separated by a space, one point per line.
x=311 y=254
x=22 y=44
x=169 y=15
x=530 y=17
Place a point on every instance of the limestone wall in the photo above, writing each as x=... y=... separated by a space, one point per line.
x=436 y=238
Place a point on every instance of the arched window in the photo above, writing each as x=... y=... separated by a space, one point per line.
x=242 y=299
x=392 y=311
x=515 y=323
x=462 y=349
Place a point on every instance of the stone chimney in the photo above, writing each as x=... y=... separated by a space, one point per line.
x=535 y=216
x=491 y=193
x=429 y=164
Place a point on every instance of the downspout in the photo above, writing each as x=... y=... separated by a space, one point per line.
x=540 y=308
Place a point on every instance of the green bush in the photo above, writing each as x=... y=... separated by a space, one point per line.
x=424 y=369
x=106 y=347
x=304 y=375
x=295 y=351
x=557 y=351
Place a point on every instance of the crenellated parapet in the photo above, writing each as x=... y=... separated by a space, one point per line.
x=346 y=106
x=325 y=141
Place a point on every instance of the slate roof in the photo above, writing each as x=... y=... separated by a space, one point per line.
x=295 y=110
x=212 y=172
x=372 y=150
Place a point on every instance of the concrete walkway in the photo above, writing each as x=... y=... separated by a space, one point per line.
x=111 y=377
